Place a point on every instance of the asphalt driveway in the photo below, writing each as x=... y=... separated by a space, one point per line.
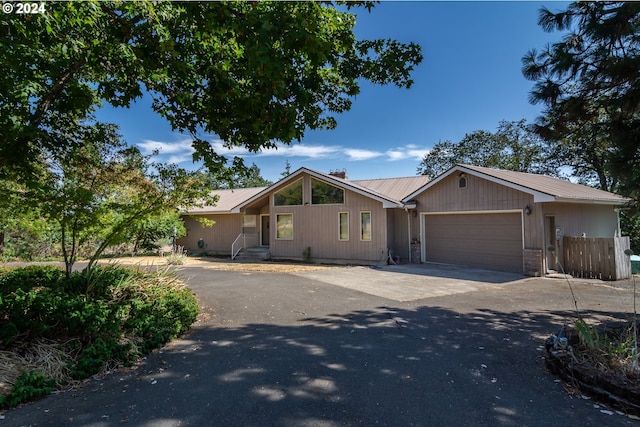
x=277 y=349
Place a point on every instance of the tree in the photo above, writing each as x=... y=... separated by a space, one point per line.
x=585 y=150
x=246 y=178
x=251 y=72
x=589 y=84
x=98 y=189
x=148 y=232
x=513 y=147
x=287 y=169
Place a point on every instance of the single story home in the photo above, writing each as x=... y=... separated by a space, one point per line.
x=469 y=215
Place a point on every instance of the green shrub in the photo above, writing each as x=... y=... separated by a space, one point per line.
x=95 y=356
x=165 y=312
x=32 y=276
x=92 y=314
x=29 y=386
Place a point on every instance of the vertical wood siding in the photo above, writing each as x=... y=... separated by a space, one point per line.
x=483 y=195
x=597 y=258
x=317 y=227
x=217 y=239
x=398 y=234
x=480 y=194
x=577 y=218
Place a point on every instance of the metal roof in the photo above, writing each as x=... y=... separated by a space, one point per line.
x=558 y=188
x=228 y=199
x=397 y=192
x=543 y=188
x=394 y=188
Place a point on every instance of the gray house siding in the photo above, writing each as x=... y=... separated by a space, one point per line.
x=217 y=239
x=317 y=227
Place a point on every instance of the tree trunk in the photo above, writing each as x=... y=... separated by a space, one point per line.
x=1 y=242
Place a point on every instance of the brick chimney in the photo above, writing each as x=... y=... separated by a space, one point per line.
x=339 y=173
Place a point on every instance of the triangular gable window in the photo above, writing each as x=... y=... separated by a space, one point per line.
x=325 y=194
x=291 y=195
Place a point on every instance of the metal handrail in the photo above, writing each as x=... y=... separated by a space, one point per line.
x=235 y=252
x=241 y=242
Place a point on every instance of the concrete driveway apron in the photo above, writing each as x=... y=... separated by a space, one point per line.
x=411 y=282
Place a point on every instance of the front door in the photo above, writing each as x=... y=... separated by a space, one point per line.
x=264 y=227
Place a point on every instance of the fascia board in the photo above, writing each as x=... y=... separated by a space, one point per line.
x=593 y=201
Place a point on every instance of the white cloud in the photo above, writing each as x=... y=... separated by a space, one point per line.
x=181 y=151
x=409 y=151
x=355 y=154
x=300 y=150
x=218 y=147
x=181 y=146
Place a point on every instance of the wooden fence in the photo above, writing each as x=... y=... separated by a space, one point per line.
x=597 y=258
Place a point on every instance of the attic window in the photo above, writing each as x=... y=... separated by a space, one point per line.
x=462 y=181
x=325 y=194
x=290 y=195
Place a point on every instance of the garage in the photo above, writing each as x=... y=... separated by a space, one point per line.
x=484 y=240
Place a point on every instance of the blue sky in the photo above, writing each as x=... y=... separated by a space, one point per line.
x=470 y=80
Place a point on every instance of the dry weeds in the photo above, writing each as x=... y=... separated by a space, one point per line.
x=44 y=355
x=220 y=264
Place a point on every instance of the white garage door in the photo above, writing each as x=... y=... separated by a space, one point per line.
x=484 y=240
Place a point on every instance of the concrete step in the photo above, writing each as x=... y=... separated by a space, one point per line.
x=259 y=253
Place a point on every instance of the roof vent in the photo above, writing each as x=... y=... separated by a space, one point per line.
x=339 y=173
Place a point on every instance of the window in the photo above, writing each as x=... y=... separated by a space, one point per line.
x=284 y=226
x=344 y=226
x=462 y=182
x=249 y=224
x=325 y=194
x=290 y=195
x=248 y=221
x=365 y=225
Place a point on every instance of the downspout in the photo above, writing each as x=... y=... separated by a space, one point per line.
x=408 y=232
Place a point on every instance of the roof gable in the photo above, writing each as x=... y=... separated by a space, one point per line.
x=543 y=188
x=386 y=200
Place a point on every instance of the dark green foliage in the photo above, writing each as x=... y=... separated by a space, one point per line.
x=513 y=146
x=110 y=315
x=30 y=385
x=161 y=316
x=245 y=178
x=630 y=225
x=252 y=73
x=28 y=277
x=96 y=355
x=589 y=84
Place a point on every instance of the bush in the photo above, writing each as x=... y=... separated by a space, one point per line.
x=111 y=315
x=32 y=276
x=30 y=385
